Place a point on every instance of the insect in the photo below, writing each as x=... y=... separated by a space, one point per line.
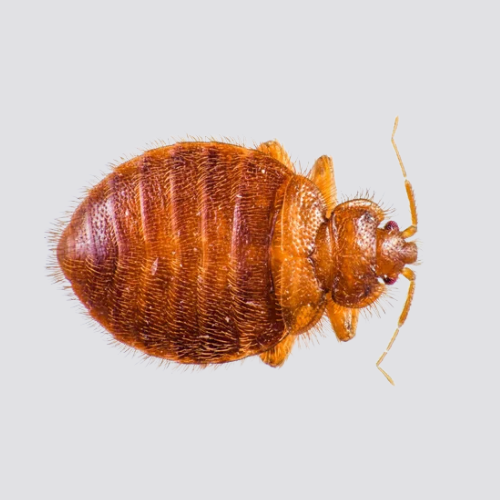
x=207 y=252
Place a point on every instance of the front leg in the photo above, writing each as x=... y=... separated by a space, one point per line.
x=344 y=320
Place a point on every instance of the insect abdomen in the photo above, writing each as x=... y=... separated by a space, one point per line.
x=170 y=252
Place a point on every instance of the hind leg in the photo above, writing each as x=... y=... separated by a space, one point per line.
x=275 y=150
x=322 y=175
x=277 y=355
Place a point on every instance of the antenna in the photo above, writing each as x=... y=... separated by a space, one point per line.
x=406 y=272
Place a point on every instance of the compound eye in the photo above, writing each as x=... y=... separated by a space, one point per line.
x=389 y=281
x=391 y=226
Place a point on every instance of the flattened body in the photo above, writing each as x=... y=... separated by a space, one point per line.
x=170 y=252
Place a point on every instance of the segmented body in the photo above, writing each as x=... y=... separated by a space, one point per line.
x=171 y=252
x=205 y=252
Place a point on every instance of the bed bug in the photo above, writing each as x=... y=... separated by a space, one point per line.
x=207 y=252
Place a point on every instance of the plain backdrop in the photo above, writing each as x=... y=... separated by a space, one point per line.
x=85 y=83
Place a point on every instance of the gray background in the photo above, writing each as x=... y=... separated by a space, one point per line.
x=84 y=83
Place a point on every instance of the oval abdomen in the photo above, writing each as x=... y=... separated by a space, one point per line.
x=170 y=252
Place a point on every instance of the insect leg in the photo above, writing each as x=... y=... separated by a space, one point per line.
x=275 y=150
x=277 y=355
x=344 y=320
x=322 y=175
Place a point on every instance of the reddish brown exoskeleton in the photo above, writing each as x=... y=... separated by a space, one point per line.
x=205 y=252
